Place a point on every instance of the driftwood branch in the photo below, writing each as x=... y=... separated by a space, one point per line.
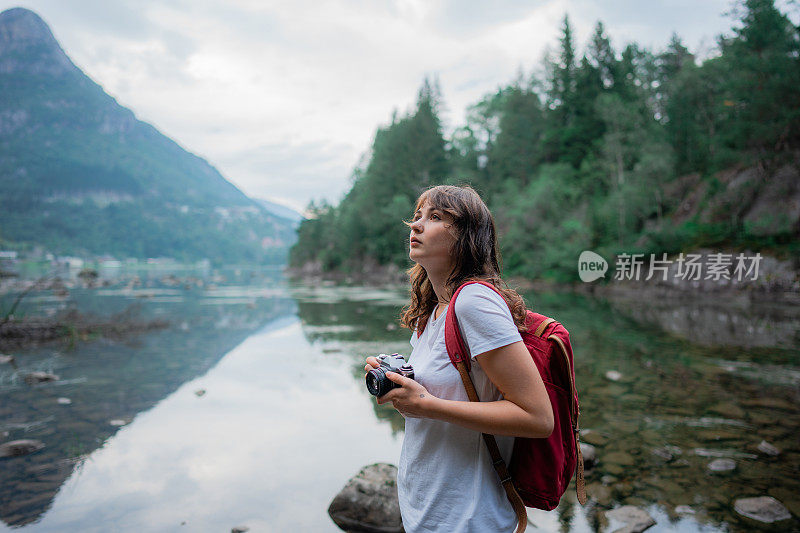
x=36 y=284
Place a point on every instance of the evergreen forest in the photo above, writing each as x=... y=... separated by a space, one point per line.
x=612 y=150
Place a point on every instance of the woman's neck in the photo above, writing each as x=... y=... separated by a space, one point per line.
x=439 y=284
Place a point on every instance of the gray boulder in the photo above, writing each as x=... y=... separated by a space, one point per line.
x=589 y=454
x=368 y=502
x=763 y=509
x=634 y=520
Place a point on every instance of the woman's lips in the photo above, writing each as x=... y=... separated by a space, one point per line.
x=414 y=241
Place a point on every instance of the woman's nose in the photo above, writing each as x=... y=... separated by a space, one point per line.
x=417 y=226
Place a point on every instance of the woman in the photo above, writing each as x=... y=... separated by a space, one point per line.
x=446 y=481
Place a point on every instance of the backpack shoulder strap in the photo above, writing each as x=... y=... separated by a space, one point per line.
x=456 y=348
x=540 y=329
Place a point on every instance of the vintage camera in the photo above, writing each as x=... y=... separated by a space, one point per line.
x=377 y=382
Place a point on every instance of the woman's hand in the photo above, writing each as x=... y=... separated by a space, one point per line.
x=372 y=362
x=411 y=400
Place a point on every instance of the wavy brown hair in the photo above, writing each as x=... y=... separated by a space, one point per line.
x=475 y=252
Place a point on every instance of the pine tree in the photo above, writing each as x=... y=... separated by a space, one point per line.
x=763 y=115
x=517 y=151
x=407 y=157
x=560 y=99
x=602 y=57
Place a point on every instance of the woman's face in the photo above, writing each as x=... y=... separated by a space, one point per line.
x=432 y=238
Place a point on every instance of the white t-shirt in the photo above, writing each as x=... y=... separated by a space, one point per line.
x=446 y=481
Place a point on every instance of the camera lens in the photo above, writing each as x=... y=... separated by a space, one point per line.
x=377 y=382
x=372 y=383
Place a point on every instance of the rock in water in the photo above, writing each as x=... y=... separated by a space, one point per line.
x=634 y=520
x=16 y=448
x=39 y=377
x=667 y=453
x=589 y=454
x=768 y=449
x=722 y=465
x=763 y=509
x=368 y=503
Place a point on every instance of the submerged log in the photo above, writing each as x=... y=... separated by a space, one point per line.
x=16 y=333
x=16 y=448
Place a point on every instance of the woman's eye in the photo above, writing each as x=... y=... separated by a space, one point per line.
x=435 y=217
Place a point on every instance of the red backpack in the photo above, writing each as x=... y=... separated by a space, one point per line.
x=540 y=469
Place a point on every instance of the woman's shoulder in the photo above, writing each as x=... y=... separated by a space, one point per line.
x=478 y=297
x=485 y=319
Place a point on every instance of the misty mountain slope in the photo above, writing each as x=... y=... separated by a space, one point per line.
x=80 y=174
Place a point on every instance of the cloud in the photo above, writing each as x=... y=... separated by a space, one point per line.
x=284 y=97
x=286 y=171
x=472 y=18
x=698 y=23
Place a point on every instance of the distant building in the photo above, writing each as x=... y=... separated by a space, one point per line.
x=71 y=262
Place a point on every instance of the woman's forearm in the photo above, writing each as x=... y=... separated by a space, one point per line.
x=501 y=417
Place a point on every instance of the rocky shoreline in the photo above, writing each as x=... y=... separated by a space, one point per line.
x=761 y=312
x=369 y=273
x=778 y=280
x=750 y=313
x=368 y=502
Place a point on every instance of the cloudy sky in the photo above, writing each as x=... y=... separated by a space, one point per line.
x=284 y=97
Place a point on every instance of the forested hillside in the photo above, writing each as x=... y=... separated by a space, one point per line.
x=627 y=150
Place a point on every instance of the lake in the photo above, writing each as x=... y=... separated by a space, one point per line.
x=250 y=409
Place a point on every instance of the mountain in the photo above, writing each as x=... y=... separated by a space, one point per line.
x=80 y=174
x=281 y=211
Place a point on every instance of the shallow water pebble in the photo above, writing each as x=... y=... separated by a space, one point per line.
x=722 y=465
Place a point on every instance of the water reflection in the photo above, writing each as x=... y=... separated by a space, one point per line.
x=107 y=384
x=745 y=321
x=285 y=418
x=230 y=417
x=356 y=322
x=265 y=446
x=675 y=408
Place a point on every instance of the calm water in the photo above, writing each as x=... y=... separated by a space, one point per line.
x=250 y=409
